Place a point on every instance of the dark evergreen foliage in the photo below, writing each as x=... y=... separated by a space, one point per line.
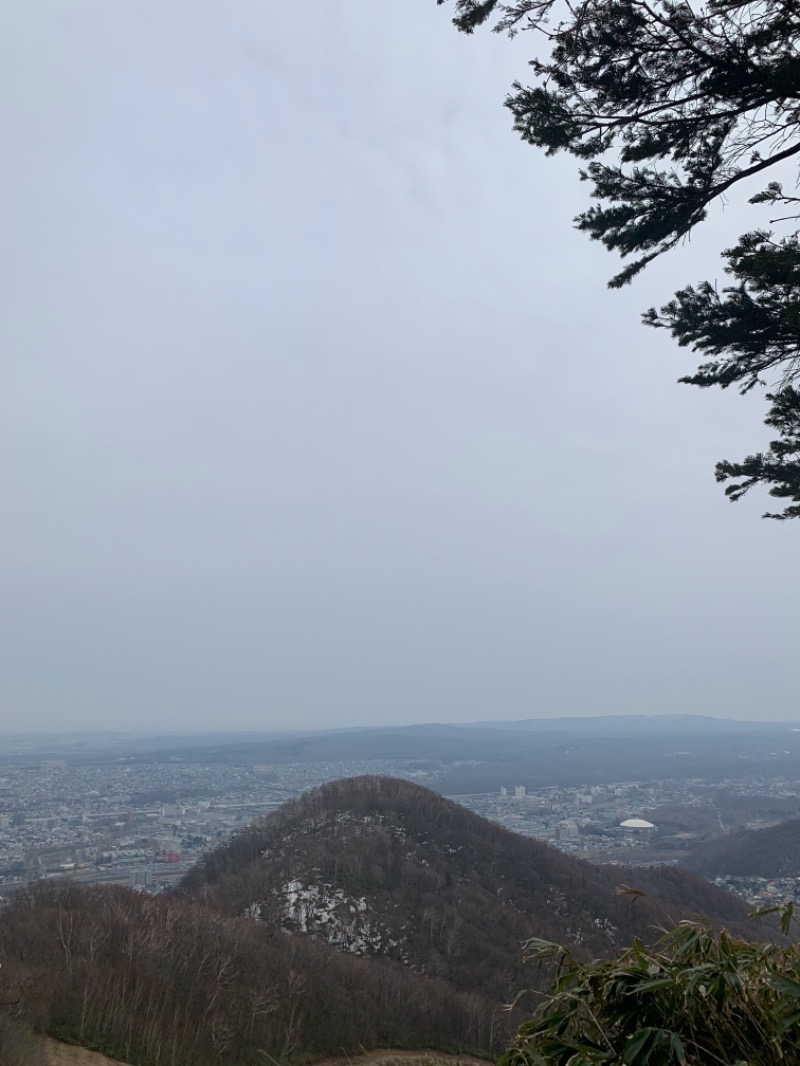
x=750 y=330
x=780 y=467
x=671 y=106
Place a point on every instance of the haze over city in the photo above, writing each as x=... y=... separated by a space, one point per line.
x=316 y=411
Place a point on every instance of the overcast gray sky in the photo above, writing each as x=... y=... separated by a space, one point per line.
x=315 y=411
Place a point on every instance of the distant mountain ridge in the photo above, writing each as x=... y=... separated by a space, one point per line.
x=483 y=757
x=379 y=741
x=635 y=724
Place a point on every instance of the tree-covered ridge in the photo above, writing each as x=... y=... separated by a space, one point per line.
x=770 y=852
x=670 y=107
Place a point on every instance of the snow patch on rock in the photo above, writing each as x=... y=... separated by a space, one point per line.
x=325 y=911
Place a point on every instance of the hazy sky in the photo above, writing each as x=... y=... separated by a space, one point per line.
x=316 y=411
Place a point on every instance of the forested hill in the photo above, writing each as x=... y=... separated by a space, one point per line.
x=370 y=913
x=771 y=852
x=380 y=866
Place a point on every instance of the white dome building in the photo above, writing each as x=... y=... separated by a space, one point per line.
x=636 y=825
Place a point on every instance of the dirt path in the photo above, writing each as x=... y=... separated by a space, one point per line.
x=58 y=1054
x=389 y=1057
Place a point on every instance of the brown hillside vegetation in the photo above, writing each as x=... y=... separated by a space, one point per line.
x=157 y=981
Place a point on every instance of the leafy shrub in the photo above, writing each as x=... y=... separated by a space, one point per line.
x=693 y=998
